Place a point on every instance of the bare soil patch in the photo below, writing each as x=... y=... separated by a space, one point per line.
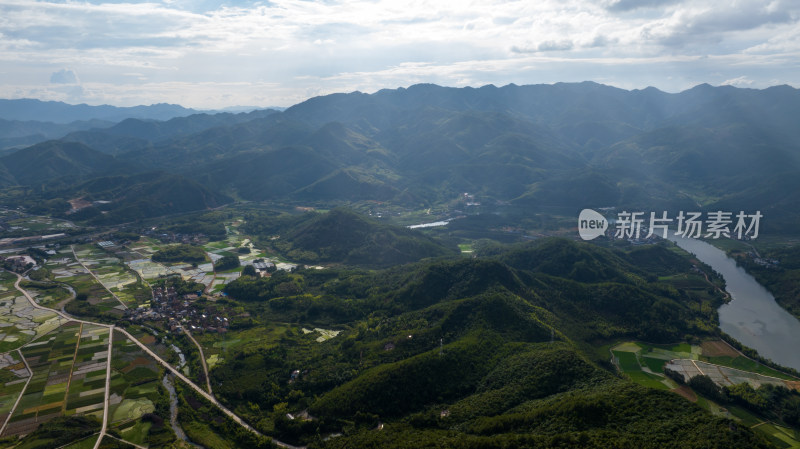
x=718 y=348
x=686 y=392
x=138 y=361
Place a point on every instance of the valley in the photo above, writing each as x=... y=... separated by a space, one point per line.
x=334 y=326
x=402 y=269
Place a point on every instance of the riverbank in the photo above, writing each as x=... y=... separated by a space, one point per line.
x=752 y=317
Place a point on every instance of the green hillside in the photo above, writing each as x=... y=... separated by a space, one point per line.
x=490 y=352
x=54 y=159
x=539 y=148
x=344 y=236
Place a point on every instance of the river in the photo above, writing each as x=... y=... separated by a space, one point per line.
x=752 y=316
x=173 y=410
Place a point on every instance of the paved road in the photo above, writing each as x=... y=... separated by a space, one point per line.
x=202 y=359
x=106 y=405
x=158 y=359
x=19 y=398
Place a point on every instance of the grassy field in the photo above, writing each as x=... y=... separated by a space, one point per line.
x=779 y=436
x=236 y=341
x=86 y=443
x=627 y=359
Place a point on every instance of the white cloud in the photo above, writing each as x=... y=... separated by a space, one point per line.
x=64 y=76
x=296 y=47
x=738 y=81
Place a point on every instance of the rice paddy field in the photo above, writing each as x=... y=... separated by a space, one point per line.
x=112 y=272
x=135 y=390
x=66 y=269
x=67 y=377
x=139 y=260
x=63 y=373
x=20 y=322
x=35 y=224
x=14 y=377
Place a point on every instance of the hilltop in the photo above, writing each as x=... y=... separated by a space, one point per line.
x=344 y=236
x=564 y=147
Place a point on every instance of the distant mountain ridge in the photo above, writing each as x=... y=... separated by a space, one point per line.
x=19 y=134
x=60 y=112
x=562 y=147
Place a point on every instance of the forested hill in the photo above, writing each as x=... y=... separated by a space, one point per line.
x=564 y=146
x=498 y=351
x=344 y=236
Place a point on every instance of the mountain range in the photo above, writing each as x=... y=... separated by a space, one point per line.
x=558 y=147
x=27 y=109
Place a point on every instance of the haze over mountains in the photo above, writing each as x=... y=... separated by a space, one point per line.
x=59 y=112
x=562 y=146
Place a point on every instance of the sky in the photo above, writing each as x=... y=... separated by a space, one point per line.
x=210 y=54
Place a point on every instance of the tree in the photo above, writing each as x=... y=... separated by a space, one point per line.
x=226 y=263
x=249 y=270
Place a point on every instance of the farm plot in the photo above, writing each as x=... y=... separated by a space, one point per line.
x=50 y=360
x=47 y=294
x=645 y=363
x=13 y=376
x=628 y=362
x=69 y=271
x=153 y=340
x=112 y=273
x=87 y=382
x=63 y=265
x=324 y=334
x=68 y=377
x=149 y=270
x=235 y=245
x=20 y=322
x=42 y=225
x=135 y=391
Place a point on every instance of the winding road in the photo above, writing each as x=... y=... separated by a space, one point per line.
x=158 y=359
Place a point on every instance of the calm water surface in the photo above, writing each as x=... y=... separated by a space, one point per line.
x=752 y=316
